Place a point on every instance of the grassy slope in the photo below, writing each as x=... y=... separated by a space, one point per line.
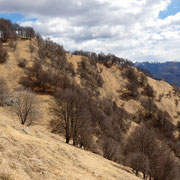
x=40 y=154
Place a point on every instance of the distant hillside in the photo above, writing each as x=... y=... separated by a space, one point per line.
x=168 y=71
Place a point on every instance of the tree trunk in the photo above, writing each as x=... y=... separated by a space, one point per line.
x=67 y=128
x=75 y=133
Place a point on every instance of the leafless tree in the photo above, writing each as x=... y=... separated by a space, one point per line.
x=142 y=141
x=140 y=163
x=31 y=49
x=72 y=116
x=109 y=147
x=27 y=107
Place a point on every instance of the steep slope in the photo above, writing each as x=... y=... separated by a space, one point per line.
x=112 y=77
x=114 y=82
x=35 y=153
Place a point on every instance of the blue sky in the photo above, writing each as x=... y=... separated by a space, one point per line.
x=139 y=30
x=173 y=8
x=16 y=17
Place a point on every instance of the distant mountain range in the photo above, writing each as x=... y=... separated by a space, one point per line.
x=168 y=71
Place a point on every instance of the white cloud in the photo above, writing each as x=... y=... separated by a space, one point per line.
x=130 y=29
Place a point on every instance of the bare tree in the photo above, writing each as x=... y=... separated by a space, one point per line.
x=167 y=169
x=142 y=141
x=62 y=110
x=26 y=108
x=3 y=91
x=139 y=162
x=72 y=115
x=109 y=147
x=31 y=49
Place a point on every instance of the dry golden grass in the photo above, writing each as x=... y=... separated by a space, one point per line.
x=41 y=155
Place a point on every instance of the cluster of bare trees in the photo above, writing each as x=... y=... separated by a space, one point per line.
x=72 y=116
x=53 y=51
x=147 y=155
x=9 y=30
x=132 y=84
x=90 y=77
x=107 y=60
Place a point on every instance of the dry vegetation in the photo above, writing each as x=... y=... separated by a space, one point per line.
x=96 y=102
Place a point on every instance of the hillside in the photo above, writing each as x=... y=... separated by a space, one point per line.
x=99 y=104
x=34 y=153
x=168 y=71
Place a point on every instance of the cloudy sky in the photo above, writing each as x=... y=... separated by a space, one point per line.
x=140 y=30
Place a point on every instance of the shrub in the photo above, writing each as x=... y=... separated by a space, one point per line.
x=176 y=102
x=70 y=69
x=178 y=124
x=3 y=91
x=6 y=176
x=12 y=45
x=27 y=107
x=148 y=91
x=132 y=84
x=22 y=62
x=3 y=55
x=90 y=78
x=163 y=122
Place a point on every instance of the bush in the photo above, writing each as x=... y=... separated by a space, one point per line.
x=22 y=63
x=3 y=91
x=132 y=84
x=12 y=45
x=3 y=55
x=148 y=91
x=163 y=122
x=6 y=176
x=90 y=78
x=178 y=124
x=27 y=107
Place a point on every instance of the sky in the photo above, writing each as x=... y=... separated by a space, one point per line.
x=139 y=30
